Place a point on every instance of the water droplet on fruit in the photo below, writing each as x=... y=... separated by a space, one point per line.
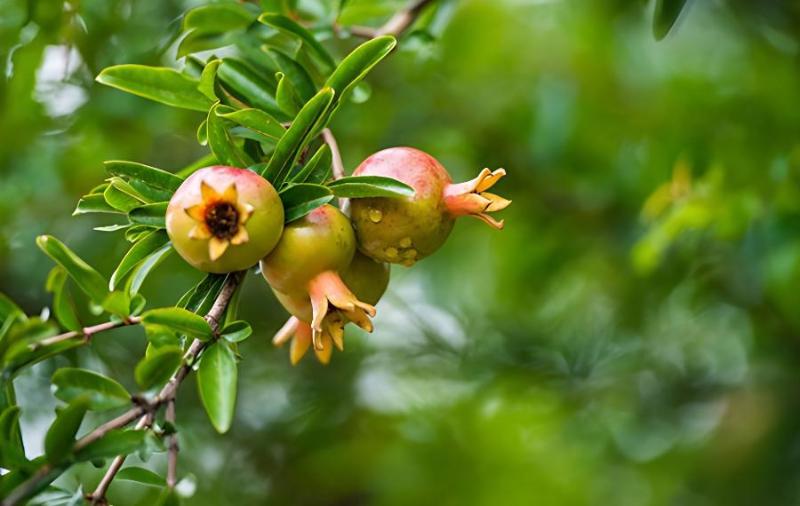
x=391 y=252
x=375 y=215
x=410 y=253
x=405 y=242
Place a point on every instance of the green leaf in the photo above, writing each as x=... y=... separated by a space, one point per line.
x=369 y=186
x=358 y=63
x=141 y=475
x=286 y=96
x=254 y=119
x=101 y=391
x=118 y=303
x=666 y=14
x=221 y=142
x=12 y=451
x=218 y=18
x=246 y=85
x=152 y=176
x=297 y=136
x=287 y=25
x=120 y=200
x=161 y=84
x=316 y=170
x=216 y=379
x=301 y=199
x=180 y=320
x=138 y=252
x=208 y=79
x=60 y=437
x=94 y=203
x=168 y=497
x=237 y=331
x=88 y=279
x=153 y=215
x=296 y=74
x=200 y=298
x=144 y=269
x=157 y=368
x=115 y=442
x=62 y=304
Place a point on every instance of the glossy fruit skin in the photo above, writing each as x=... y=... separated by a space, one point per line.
x=365 y=277
x=323 y=240
x=264 y=225
x=405 y=229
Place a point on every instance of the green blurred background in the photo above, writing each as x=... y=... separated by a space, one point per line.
x=630 y=338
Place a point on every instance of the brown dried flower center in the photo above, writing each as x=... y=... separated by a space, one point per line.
x=222 y=219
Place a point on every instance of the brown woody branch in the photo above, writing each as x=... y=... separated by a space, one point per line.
x=139 y=412
x=396 y=25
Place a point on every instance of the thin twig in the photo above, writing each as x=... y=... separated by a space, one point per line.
x=338 y=165
x=42 y=476
x=172 y=456
x=87 y=332
x=396 y=25
x=98 y=497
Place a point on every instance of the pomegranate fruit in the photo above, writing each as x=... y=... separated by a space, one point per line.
x=306 y=266
x=405 y=230
x=366 y=278
x=224 y=219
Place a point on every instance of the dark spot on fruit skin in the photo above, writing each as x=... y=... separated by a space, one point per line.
x=222 y=220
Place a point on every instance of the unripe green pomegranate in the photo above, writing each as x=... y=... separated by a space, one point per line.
x=366 y=278
x=224 y=219
x=306 y=265
x=405 y=230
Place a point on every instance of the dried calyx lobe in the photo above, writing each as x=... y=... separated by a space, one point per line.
x=224 y=219
x=366 y=278
x=405 y=230
x=305 y=271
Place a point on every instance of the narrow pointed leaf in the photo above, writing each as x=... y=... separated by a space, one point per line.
x=208 y=79
x=236 y=331
x=161 y=84
x=94 y=203
x=369 y=186
x=152 y=176
x=316 y=170
x=138 y=252
x=60 y=437
x=218 y=18
x=216 y=379
x=221 y=142
x=358 y=63
x=254 y=119
x=62 y=304
x=296 y=74
x=150 y=214
x=287 y=25
x=88 y=279
x=297 y=136
x=666 y=14
x=286 y=96
x=301 y=199
x=250 y=87
x=144 y=269
x=141 y=475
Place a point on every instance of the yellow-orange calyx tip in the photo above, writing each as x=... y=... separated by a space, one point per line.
x=471 y=198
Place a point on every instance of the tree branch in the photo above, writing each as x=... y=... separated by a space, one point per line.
x=338 y=165
x=396 y=25
x=87 y=332
x=138 y=412
x=172 y=456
